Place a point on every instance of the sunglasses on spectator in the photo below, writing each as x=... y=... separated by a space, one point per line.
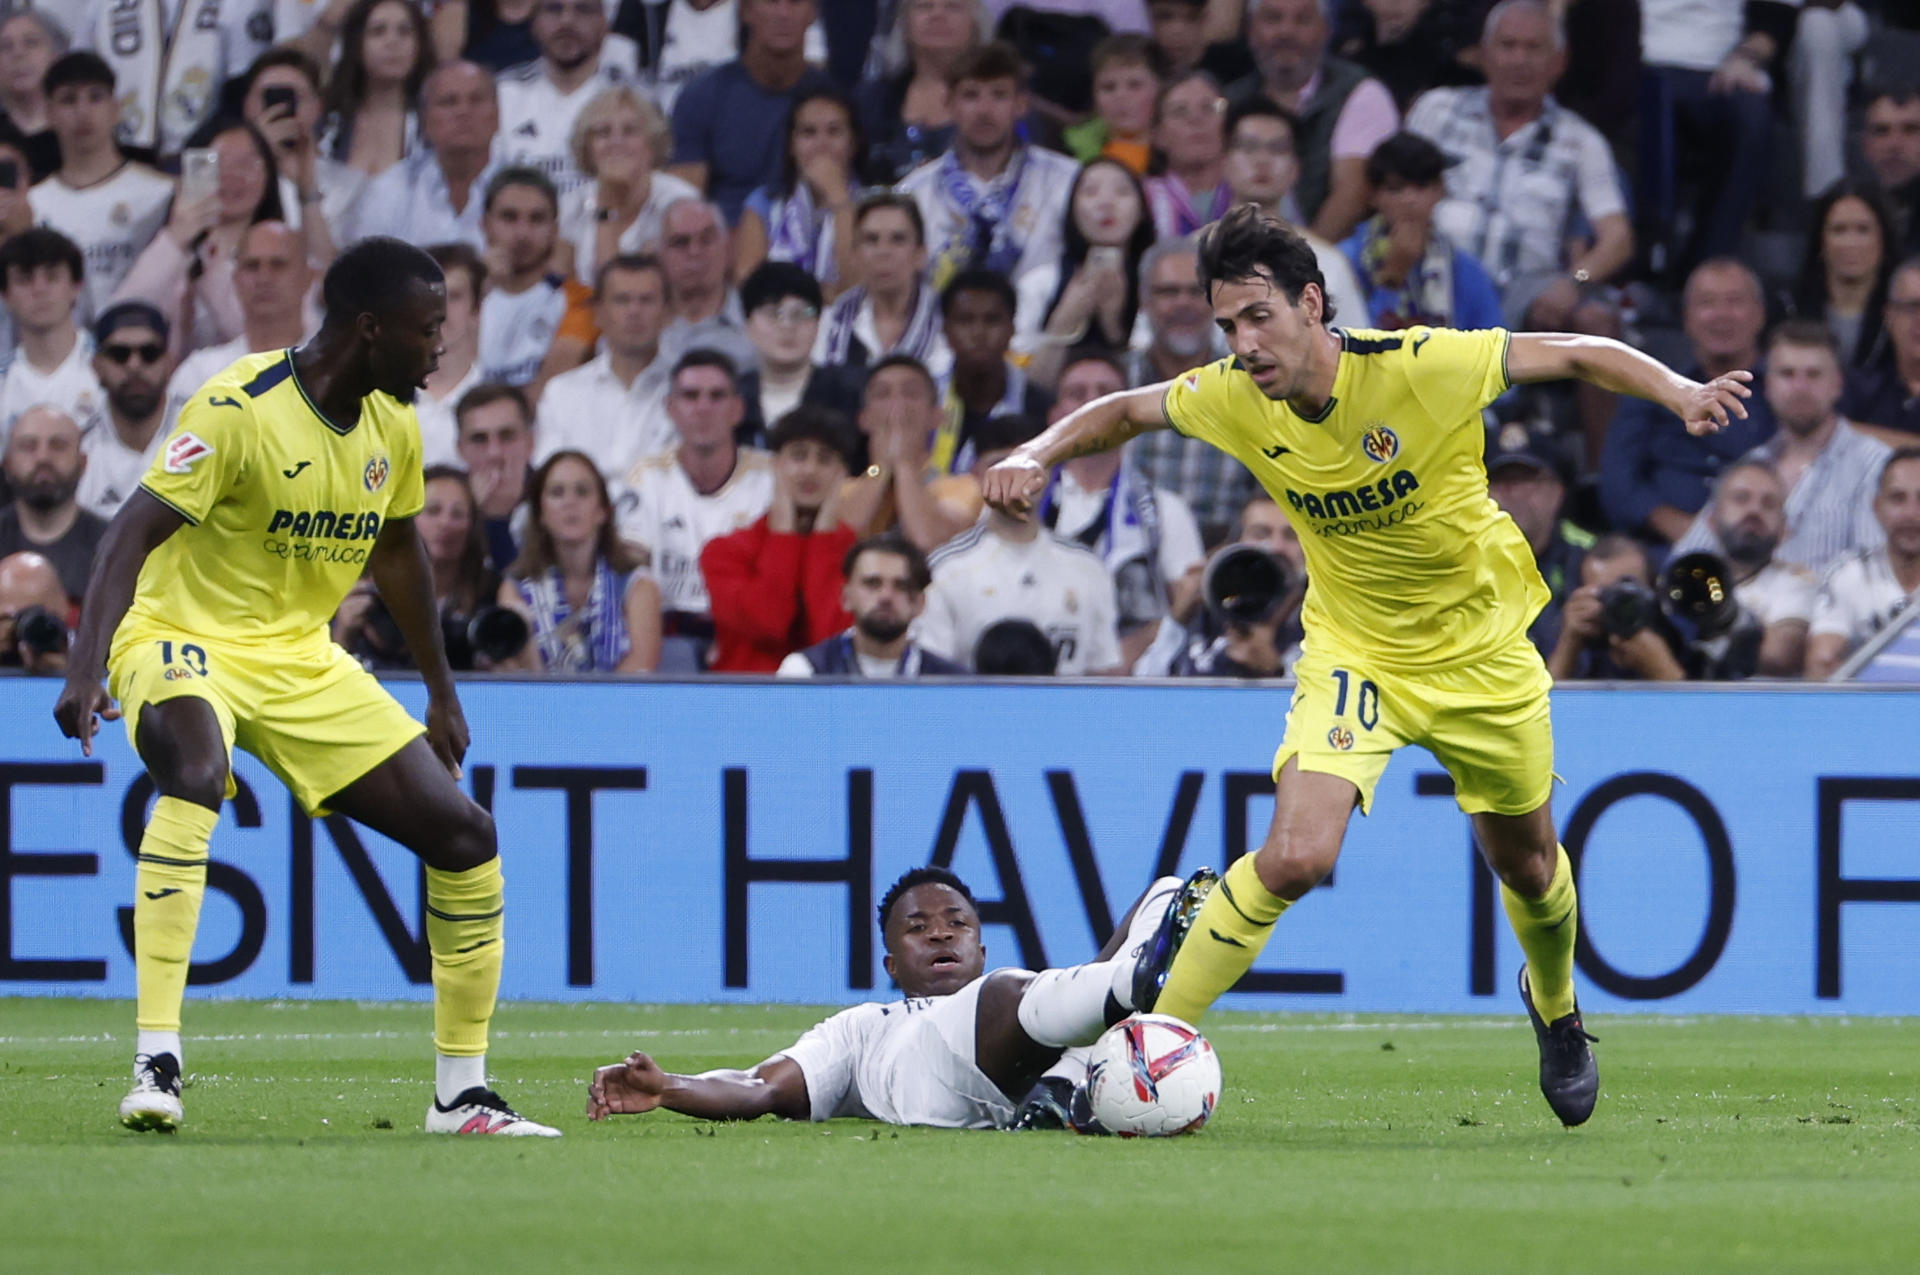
x=151 y=352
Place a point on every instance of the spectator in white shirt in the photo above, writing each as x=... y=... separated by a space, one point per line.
x=41 y=278
x=271 y=278
x=1146 y=535
x=130 y=358
x=1830 y=469
x=435 y=195
x=525 y=300
x=706 y=309
x=1016 y=569
x=540 y=100
x=614 y=408
x=459 y=369
x=1263 y=166
x=1527 y=166
x=617 y=144
x=991 y=202
x=106 y=203
x=894 y=310
x=1865 y=591
x=1749 y=515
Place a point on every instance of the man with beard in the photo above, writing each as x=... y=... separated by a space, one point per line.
x=1749 y=516
x=130 y=357
x=1864 y=592
x=539 y=100
x=1214 y=485
x=885 y=592
x=43 y=467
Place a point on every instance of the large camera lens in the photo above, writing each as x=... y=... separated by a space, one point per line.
x=1626 y=607
x=39 y=630
x=496 y=633
x=1699 y=589
x=1244 y=583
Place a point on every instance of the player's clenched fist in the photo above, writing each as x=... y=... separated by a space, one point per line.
x=1014 y=484
x=1711 y=406
x=81 y=700
x=626 y=1088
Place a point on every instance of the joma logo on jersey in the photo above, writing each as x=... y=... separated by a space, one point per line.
x=1346 y=504
x=324 y=523
x=1380 y=444
x=375 y=475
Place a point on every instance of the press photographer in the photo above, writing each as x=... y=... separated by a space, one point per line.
x=1620 y=626
x=33 y=606
x=1251 y=593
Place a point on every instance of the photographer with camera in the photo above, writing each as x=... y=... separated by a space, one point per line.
x=1252 y=593
x=478 y=634
x=1612 y=628
x=33 y=630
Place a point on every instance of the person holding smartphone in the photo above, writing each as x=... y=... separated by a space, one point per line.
x=1094 y=290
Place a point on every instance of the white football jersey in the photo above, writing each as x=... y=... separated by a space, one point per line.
x=589 y=410
x=980 y=578
x=1781 y=591
x=72 y=387
x=1859 y=596
x=906 y=1062
x=517 y=327
x=439 y=431
x=536 y=118
x=113 y=468
x=579 y=224
x=200 y=367
x=658 y=509
x=112 y=221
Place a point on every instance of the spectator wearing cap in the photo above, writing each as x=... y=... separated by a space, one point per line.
x=1015 y=568
x=1749 y=515
x=1654 y=475
x=1884 y=399
x=1343 y=112
x=885 y=592
x=775 y=585
x=1830 y=469
x=782 y=304
x=1529 y=169
x=1527 y=476
x=1410 y=272
x=41 y=279
x=43 y=465
x=130 y=357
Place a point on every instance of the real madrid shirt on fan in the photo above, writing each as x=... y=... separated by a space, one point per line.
x=517 y=327
x=112 y=222
x=981 y=577
x=1860 y=596
x=113 y=468
x=70 y=386
x=1411 y=561
x=660 y=511
x=536 y=116
x=283 y=507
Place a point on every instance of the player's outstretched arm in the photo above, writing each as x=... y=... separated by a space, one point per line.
x=776 y=1087
x=1614 y=365
x=405 y=580
x=140 y=527
x=1016 y=482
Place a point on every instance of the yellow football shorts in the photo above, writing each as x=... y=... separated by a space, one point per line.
x=1487 y=723
x=315 y=718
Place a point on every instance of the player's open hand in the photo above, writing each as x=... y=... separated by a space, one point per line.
x=626 y=1088
x=447 y=732
x=1014 y=484
x=81 y=700
x=1711 y=407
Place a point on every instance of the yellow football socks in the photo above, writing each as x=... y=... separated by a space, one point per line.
x=1233 y=925
x=1546 y=928
x=466 y=923
x=169 y=881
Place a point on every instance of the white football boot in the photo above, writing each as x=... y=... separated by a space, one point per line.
x=479 y=1111
x=153 y=1105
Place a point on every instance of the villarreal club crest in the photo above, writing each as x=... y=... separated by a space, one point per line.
x=375 y=475
x=1380 y=443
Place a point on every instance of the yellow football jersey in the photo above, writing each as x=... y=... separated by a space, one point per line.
x=1409 y=559
x=283 y=508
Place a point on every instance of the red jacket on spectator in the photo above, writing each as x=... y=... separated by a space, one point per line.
x=773 y=593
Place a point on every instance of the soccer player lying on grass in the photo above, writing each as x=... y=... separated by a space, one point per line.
x=959 y=1051
x=1372 y=445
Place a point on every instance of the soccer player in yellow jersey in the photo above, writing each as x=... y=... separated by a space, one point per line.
x=288 y=475
x=1372 y=444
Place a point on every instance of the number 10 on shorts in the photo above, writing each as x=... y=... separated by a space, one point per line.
x=1366 y=708
x=194 y=660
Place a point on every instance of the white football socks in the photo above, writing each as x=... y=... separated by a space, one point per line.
x=454 y=1076
x=153 y=1044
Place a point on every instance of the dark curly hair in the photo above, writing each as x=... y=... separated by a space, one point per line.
x=922 y=876
x=1247 y=245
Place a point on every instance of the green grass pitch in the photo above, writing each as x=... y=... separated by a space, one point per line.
x=1343 y=1144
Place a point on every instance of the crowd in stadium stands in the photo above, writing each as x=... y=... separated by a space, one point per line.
x=743 y=296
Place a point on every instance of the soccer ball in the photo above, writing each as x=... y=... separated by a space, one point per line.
x=1152 y=1076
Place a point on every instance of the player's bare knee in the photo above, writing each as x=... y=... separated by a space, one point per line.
x=1289 y=866
x=1528 y=874
x=465 y=841
x=200 y=780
